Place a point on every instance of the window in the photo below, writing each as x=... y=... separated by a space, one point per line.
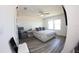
x=50 y=24
x=54 y=24
x=57 y=24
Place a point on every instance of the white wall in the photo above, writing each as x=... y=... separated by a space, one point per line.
x=7 y=27
x=63 y=30
x=29 y=22
x=73 y=28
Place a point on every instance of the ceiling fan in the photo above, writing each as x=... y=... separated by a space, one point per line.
x=43 y=13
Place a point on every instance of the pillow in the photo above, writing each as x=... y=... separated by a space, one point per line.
x=37 y=29
x=42 y=28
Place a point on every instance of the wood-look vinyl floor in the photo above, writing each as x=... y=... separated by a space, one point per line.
x=55 y=45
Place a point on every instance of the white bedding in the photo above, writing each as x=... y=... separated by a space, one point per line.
x=44 y=35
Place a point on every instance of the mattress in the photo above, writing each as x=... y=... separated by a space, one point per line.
x=44 y=35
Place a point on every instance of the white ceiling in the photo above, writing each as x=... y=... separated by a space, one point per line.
x=34 y=10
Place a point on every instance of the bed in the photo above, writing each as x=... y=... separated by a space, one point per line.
x=44 y=35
